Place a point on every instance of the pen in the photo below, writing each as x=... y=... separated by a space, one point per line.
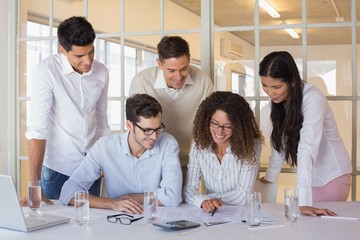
x=340 y=218
x=213 y=212
x=264 y=222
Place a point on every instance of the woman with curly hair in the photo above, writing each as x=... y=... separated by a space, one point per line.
x=225 y=152
x=305 y=135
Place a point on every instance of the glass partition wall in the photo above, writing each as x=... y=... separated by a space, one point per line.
x=227 y=39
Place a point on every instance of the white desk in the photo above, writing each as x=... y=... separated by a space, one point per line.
x=307 y=228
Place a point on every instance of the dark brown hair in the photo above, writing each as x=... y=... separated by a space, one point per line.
x=172 y=47
x=286 y=119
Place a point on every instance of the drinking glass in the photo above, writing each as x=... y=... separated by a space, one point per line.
x=253 y=208
x=34 y=202
x=150 y=207
x=81 y=204
x=291 y=204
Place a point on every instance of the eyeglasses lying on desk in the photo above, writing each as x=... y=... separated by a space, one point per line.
x=124 y=219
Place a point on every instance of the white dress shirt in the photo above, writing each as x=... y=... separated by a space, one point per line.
x=322 y=155
x=229 y=179
x=156 y=170
x=160 y=83
x=68 y=110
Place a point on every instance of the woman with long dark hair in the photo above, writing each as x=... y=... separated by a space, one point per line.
x=304 y=135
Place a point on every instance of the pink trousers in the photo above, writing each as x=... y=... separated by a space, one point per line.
x=335 y=190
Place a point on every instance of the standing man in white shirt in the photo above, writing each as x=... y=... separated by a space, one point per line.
x=179 y=88
x=68 y=110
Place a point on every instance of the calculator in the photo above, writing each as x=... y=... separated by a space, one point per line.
x=177 y=224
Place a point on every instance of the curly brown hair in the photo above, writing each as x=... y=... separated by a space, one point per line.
x=245 y=130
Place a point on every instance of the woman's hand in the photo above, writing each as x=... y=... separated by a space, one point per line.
x=312 y=211
x=263 y=180
x=210 y=204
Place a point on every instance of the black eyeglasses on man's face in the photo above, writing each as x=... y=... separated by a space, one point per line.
x=122 y=218
x=150 y=131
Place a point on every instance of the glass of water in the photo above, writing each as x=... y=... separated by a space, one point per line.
x=34 y=201
x=291 y=204
x=253 y=209
x=150 y=207
x=81 y=204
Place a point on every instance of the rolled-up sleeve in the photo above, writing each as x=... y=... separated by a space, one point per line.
x=40 y=105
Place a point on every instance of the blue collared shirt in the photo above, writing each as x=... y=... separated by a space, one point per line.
x=156 y=170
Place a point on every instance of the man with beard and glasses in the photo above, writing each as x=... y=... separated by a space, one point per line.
x=144 y=158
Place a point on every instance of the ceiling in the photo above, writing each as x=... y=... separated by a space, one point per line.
x=230 y=13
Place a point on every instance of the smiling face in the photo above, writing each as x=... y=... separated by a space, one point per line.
x=277 y=89
x=138 y=141
x=80 y=57
x=221 y=128
x=175 y=71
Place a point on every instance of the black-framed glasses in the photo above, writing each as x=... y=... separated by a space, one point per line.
x=223 y=127
x=124 y=219
x=150 y=131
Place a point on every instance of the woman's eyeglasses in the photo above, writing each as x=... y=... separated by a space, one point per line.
x=124 y=219
x=223 y=127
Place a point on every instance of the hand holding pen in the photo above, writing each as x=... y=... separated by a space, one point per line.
x=219 y=203
x=210 y=205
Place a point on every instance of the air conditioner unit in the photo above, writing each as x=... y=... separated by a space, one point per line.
x=230 y=49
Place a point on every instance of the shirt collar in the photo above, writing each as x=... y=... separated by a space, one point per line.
x=146 y=154
x=227 y=151
x=65 y=65
x=67 y=68
x=161 y=83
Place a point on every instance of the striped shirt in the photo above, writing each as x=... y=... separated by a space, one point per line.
x=229 y=179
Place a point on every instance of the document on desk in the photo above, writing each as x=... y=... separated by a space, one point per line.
x=69 y=211
x=223 y=214
x=226 y=213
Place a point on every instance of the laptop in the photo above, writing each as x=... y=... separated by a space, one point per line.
x=12 y=216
